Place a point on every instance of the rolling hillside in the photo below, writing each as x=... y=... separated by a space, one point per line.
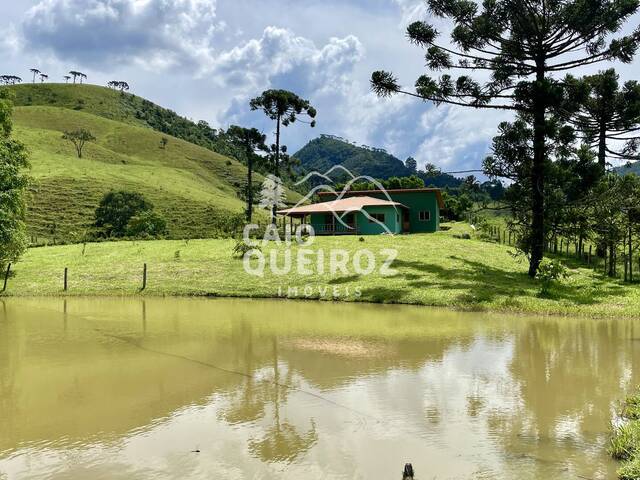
x=195 y=188
x=327 y=151
x=629 y=168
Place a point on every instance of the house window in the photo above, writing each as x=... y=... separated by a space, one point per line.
x=376 y=216
x=425 y=216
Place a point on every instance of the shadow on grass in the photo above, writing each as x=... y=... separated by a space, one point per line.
x=341 y=280
x=484 y=283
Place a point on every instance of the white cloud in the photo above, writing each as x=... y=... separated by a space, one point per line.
x=280 y=52
x=153 y=33
x=457 y=137
x=412 y=10
x=10 y=40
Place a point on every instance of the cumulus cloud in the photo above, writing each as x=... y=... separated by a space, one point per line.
x=458 y=138
x=154 y=33
x=281 y=59
x=279 y=52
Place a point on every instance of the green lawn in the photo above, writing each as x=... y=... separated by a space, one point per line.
x=432 y=269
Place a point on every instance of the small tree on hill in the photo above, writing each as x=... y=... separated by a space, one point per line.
x=43 y=77
x=116 y=209
x=411 y=164
x=35 y=72
x=147 y=224
x=10 y=79
x=66 y=78
x=79 y=138
x=75 y=74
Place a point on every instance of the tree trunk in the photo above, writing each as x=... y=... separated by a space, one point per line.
x=630 y=251
x=612 y=260
x=249 y=183
x=276 y=170
x=537 y=175
x=602 y=145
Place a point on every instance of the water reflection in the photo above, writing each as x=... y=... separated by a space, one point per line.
x=122 y=388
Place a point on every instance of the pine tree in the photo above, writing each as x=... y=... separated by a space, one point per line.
x=522 y=45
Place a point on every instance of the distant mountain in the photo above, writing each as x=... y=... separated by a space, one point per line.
x=328 y=151
x=629 y=168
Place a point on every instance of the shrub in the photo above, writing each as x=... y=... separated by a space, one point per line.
x=241 y=247
x=550 y=271
x=116 y=209
x=147 y=224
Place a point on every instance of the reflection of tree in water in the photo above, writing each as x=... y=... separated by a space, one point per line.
x=280 y=441
x=9 y=354
x=566 y=375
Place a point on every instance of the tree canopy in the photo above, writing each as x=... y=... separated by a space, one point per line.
x=520 y=46
x=13 y=185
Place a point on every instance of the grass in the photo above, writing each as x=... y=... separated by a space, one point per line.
x=193 y=187
x=625 y=442
x=432 y=269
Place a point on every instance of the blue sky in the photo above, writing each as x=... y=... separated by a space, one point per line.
x=206 y=58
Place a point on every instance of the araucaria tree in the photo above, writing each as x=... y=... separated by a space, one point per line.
x=252 y=142
x=609 y=117
x=118 y=85
x=272 y=195
x=285 y=108
x=522 y=45
x=13 y=186
x=75 y=74
x=35 y=72
x=79 y=138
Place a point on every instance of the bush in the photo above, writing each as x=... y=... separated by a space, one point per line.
x=550 y=271
x=147 y=224
x=116 y=209
x=241 y=248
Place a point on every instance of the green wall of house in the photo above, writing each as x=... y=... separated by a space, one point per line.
x=417 y=202
x=392 y=219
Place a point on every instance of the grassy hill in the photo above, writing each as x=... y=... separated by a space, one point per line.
x=327 y=151
x=195 y=188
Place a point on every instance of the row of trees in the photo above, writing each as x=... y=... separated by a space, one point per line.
x=13 y=79
x=523 y=46
x=118 y=85
x=9 y=80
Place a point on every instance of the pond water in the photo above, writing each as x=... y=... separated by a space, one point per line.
x=234 y=389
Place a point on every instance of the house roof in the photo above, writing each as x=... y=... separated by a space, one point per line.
x=353 y=193
x=344 y=205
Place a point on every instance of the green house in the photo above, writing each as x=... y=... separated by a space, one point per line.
x=372 y=212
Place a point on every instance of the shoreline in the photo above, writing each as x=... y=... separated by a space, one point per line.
x=215 y=296
x=431 y=270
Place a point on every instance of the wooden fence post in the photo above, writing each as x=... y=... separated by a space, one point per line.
x=66 y=284
x=144 y=278
x=6 y=278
